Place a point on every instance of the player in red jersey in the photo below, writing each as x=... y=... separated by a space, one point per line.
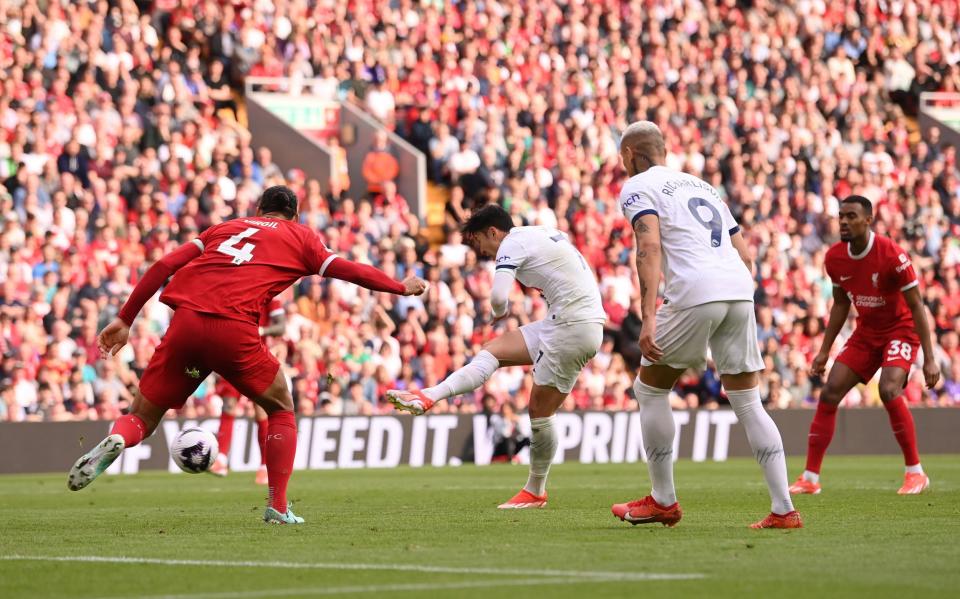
x=875 y=275
x=272 y=324
x=223 y=280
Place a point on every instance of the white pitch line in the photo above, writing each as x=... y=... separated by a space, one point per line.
x=586 y=574
x=376 y=588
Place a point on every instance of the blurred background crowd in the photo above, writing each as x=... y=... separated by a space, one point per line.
x=122 y=137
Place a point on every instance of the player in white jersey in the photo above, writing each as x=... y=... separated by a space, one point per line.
x=558 y=346
x=686 y=232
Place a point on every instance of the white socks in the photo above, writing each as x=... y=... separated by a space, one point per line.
x=767 y=446
x=471 y=376
x=543 y=446
x=811 y=477
x=656 y=424
x=915 y=469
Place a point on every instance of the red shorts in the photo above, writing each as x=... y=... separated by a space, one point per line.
x=225 y=389
x=865 y=354
x=196 y=344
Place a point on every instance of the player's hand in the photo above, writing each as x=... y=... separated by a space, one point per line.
x=648 y=343
x=819 y=364
x=414 y=286
x=113 y=337
x=931 y=373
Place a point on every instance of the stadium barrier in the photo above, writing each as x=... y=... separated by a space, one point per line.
x=941 y=110
x=285 y=115
x=328 y=442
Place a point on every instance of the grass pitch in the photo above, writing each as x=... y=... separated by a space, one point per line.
x=436 y=532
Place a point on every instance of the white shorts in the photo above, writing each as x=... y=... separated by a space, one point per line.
x=727 y=329
x=560 y=351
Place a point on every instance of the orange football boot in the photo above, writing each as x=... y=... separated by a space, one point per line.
x=261 y=478
x=413 y=401
x=647 y=511
x=804 y=487
x=788 y=520
x=914 y=483
x=524 y=500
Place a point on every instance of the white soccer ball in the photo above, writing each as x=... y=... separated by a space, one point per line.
x=194 y=450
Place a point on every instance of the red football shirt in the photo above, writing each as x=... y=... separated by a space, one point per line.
x=245 y=263
x=874 y=281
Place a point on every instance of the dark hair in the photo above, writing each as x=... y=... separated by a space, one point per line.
x=864 y=203
x=279 y=199
x=491 y=215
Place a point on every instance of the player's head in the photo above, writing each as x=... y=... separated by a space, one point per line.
x=641 y=147
x=856 y=216
x=280 y=201
x=485 y=229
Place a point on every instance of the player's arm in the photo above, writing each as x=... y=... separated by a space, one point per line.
x=838 y=316
x=931 y=370
x=646 y=228
x=500 y=293
x=740 y=244
x=371 y=278
x=114 y=336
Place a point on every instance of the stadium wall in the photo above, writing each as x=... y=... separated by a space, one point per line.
x=328 y=442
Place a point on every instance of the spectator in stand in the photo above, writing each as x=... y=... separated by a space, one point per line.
x=379 y=165
x=784 y=108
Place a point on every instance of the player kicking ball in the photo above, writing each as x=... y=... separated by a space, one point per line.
x=683 y=226
x=558 y=347
x=221 y=282
x=872 y=273
x=272 y=323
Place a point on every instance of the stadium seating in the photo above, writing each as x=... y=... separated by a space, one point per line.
x=120 y=140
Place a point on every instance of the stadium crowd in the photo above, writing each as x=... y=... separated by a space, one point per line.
x=120 y=140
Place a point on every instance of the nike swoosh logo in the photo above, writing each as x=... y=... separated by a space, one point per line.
x=846 y=278
x=633 y=520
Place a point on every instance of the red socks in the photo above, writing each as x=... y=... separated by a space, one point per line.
x=901 y=421
x=133 y=429
x=262 y=440
x=281 y=449
x=225 y=434
x=821 y=433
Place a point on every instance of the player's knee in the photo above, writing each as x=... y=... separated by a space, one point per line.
x=278 y=402
x=890 y=391
x=831 y=395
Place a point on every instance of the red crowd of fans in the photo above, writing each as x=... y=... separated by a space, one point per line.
x=120 y=140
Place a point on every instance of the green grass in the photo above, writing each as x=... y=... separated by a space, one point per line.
x=861 y=539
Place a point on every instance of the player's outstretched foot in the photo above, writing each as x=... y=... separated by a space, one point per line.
x=647 y=511
x=914 y=483
x=94 y=462
x=219 y=467
x=805 y=487
x=414 y=402
x=524 y=500
x=272 y=516
x=261 y=475
x=788 y=520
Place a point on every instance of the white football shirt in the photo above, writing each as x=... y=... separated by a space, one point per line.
x=700 y=264
x=544 y=259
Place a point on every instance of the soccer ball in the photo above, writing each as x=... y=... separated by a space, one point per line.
x=194 y=450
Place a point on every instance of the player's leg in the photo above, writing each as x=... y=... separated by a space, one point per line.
x=737 y=355
x=281 y=447
x=854 y=365
x=562 y=351
x=228 y=411
x=893 y=379
x=509 y=349
x=173 y=373
x=544 y=402
x=263 y=425
x=682 y=335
